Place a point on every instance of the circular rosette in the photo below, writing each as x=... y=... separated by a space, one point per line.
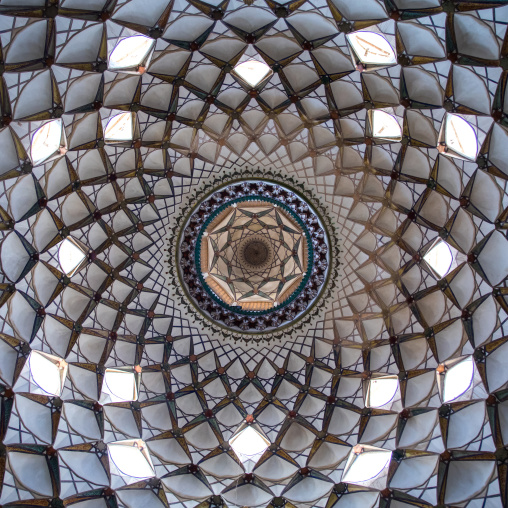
x=253 y=256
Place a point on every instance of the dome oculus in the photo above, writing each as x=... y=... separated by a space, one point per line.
x=255 y=252
x=253 y=256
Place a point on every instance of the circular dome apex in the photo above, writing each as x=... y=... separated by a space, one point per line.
x=255 y=253
x=260 y=251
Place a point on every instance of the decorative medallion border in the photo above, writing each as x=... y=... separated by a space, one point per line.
x=173 y=241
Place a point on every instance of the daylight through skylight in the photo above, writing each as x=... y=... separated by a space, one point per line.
x=372 y=48
x=458 y=379
x=385 y=126
x=381 y=391
x=366 y=465
x=46 y=141
x=249 y=442
x=120 y=385
x=131 y=458
x=119 y=128
x=130 y=52
x=252 y=71
x=460 y=137
x=440 y=258
x=69 y=256
x=48 y=372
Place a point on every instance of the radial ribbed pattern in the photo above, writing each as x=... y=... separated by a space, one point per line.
x=393 y=115
x=259 y=257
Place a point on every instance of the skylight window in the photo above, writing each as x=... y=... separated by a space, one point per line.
x=384 y=126
x=70 y=256
x=249 y=442
x=131 y=53
x=458 y=138
x=48 y=372
x=131 y=460
x=371 y=48
x=47 y=141
x=440 y=258
x=121 y=384
x=458 y=379
x=365 y=465
x=381 y=391
x=252 y=72
x=120 y=128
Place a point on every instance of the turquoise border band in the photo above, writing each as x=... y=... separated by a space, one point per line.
x=298 y=220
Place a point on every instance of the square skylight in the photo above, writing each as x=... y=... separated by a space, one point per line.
x=252 y=72
x=371 y=49
x=381 y=391
x=458 y=138
x=367 y=466
x=120 y=385
x=130 y=460
x=70 y=256
x=131 y=53
x=249 y=442
x=48 y=141
x=440 y=258
x=120 y=127
x=384 y=126
x=458 y=379
x=48 y=373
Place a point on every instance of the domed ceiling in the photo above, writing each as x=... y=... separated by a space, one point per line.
x=253 y=253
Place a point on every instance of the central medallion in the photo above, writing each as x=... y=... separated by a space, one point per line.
x=253 y=256
x=254 y=253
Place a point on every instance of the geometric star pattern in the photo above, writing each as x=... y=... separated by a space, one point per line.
x=105 y=151
x=255 y=286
